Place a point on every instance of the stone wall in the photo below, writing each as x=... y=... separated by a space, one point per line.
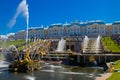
x=74 y=46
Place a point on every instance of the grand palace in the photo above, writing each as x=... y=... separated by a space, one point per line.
x=79 y=29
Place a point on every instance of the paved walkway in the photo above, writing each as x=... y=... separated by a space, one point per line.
x=104 y=76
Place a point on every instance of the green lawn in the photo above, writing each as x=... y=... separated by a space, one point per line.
x=115 y=76
x=114 y=47
x=116 y=64
x=19 y=43
x=110 y=44
x=5 y=44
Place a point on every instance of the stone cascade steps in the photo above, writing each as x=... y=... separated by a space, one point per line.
x=91 y=47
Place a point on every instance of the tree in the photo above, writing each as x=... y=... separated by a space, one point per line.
x=0 y=37
x=11 y=36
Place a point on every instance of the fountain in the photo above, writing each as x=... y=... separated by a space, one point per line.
x=11 y=53
x=25 y=64
x=61 y=45
x=85 y=43
x=92 y=45
x=21 y=9
x=54 y=57
x=97 y=44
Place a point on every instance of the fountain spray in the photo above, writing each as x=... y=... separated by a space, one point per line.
x=85 y=43
x=61 y=45
x=97 y=44
x=21 y=9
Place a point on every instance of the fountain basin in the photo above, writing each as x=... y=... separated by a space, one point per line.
x=24 y=66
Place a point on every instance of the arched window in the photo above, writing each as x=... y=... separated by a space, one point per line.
x=72 y=48
x=67 y=47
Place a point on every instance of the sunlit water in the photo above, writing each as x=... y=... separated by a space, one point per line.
x=50 y=72
x=61 y=45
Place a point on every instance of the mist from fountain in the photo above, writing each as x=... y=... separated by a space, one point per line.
x=11 y=53
x=61 y=45
x=85 y=43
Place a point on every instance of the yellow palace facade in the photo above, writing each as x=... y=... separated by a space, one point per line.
x=79 y=29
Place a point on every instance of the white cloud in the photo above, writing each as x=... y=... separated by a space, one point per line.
x=21 y=9
x=6 y=36
x=3 y=36
x=10 y=34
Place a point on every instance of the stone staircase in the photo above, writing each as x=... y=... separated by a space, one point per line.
x=92 y=46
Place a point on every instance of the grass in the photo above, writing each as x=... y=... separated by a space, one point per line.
x=5 y=44
x=110 y=44
x=115 y=76
x=117 y=64
x=19 y=43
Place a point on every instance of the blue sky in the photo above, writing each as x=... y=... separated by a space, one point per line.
x=46 y=12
